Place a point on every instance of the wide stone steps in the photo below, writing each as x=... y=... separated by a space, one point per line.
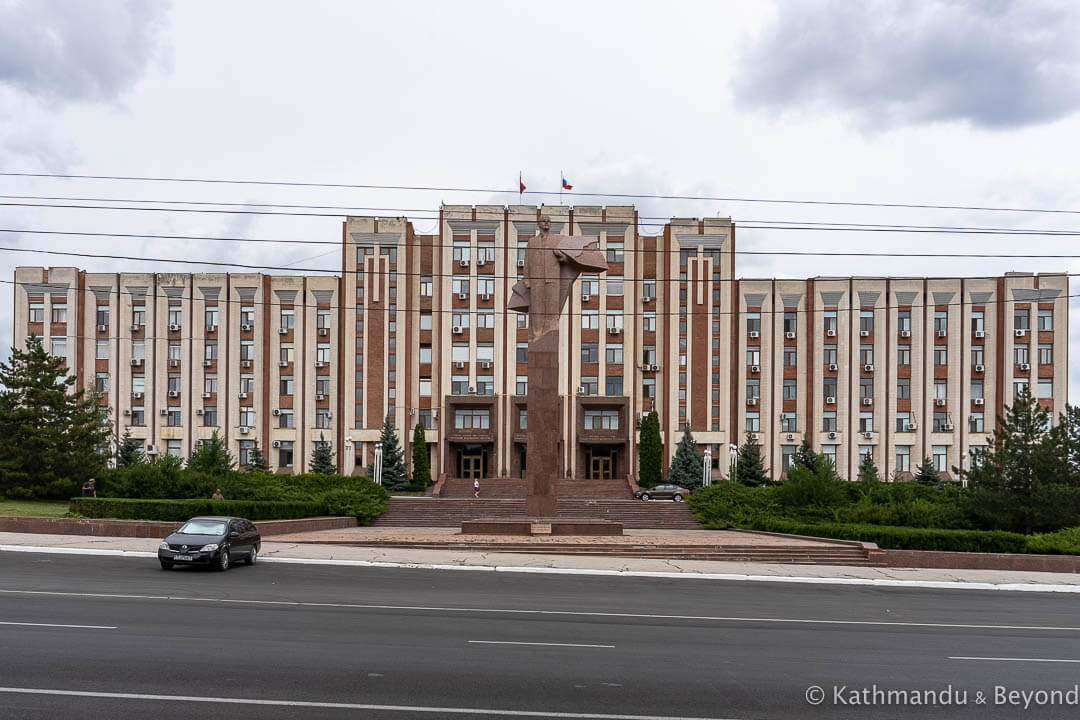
x=514 y=488
x=451 y=512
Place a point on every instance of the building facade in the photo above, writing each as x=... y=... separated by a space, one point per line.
x=415 y=329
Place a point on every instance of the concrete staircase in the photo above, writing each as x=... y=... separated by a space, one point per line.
x=514 y=488
x=452 y=511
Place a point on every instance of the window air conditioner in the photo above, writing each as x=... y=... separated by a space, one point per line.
x=206 y=396
x=905 y=333
x=864 y=333
x=1020 y=333
x=485 y=296
x=174 y=363
x=151 y=450
x=754 y=334
x=198 y=411
x=581 y=390
x=137 y=395
x=980 y=401
x=586 y=298
x=832 y=434
x=980 y=368
x=320 y=364
x=459 y=365
x=912 y=426
x=646 y=367
x=174 y=327
x=656 y=368
x=521 y=263
x=789 y=335
x=282 y=331
x=163 y=411
x=463 y=263
x=174 y=393
x=324 y=331
x=833 y=367
x=646 y=299
x=472 y=390
x=941 y=333
x=283 y=363
x=868 y=401
x=207 y=363
x=211 y=328
x=243 y=429
x=830 y=333
x=1025 y=366
x=755 y=368
x=103 y=328
x=463 y=296
x=458 y=330
x=127 y=412
x=830 y=400
x=868 y=368
x=320 y=397
x=136 y=328
x=486 y=365
x=940 y=402
x=136 y=362
x=980 y=333
x=751 y=401
x=868 y=435
x=275 y=412
x=276 y=443
x=243 y=396
x=245 y=328
x=245 y=363
x=946 y=427
x=614 y=330
x=791 y=436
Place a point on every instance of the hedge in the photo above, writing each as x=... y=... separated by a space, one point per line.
x=180 y=510
x=891 y=537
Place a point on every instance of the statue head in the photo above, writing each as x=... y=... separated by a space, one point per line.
x=544 y=223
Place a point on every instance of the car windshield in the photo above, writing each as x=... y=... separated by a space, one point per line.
x=203 y=527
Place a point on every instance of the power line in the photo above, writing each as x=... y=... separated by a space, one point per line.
x=515 y=191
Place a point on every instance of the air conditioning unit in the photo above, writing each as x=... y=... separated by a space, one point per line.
x=472 y=390
x=198 y=411
x=481 y=261
x=211 y=328
x=459 y=365
x=174 y=327
x=151 y=450
x=581 y=390
x=324 y=331
x=463 y=263
x=656 y=368
x=463 y=296
x=946 y=427
x=980 y=368
x=646 y=367
x=614 y=330
x=646 y=299
x=586 y=298
x=207 y=363
x=174 y=393
x=912 y=426
x=127 y=412
x=135 y=362
x=980 y=333
x=486 y=365
x=940 y=402
x=789 y=335
x=174 y=363
x=282 y=330
x=830 y=400
x=136 y=328
x=243 y=429
x=245 y=363
x=1020 y=333
x=206 y=396
x=905 y=333
x=868 y=368
x=320 y=397
x=941 y=333
x=163 y=411
x=791 y=436
x=521 y=263
x=751 y=401
x=283 y=363
x=833 y=367
x=979 y=401
x=868 y=435
x=276 y=443
x=485 y=296
x=103 y=328
x=864 y=333
x=329 y=414
x=275 y=412
x=458 y=330
x=832 y=434
x=137 y=395
x=245 y=328
x=868 y=401
x=242 y=396
x=755 y=368
x=320 y=364
x=830 y=333
x=1025 y=366
x=754 y=334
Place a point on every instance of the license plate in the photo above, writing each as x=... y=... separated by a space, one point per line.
x=182 y=557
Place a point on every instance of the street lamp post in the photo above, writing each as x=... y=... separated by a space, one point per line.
x=706 y=469
x=378 y=463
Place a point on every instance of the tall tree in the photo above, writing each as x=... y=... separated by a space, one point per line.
x=55 y=435
x=686 y=467
x=868 y=471
x=322 y=458
x=807 y=458
x=394 y=475
x=211 y=456
x=256 y=460
x=751 y=469
x=421 y=460
x=650 y=452
x=129 y=450
x=926 y=473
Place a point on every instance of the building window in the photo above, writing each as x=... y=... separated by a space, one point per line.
x=976 y=422
x=101 y=382
x=460 y=318
x=590 y=385
x=523 y=418
x=828 y=321
x=322 y=418
x=978 y=322
x=753 y=322
x=485 y=319
x=247 y=384
x=648 y=321
x=485 y=284
x=247 y=317
x=615 y=319
x=791 y=357
x=941 y=354
x=1021 y=319
x=138 y=416
x=829 y=387
x=425 y=387
x=615 y=285
x=941 y=321
x=1046 y=354
x=866 y=321
x=102 y=315
x=613 y=385
x=138 y=315
x=247 y=350
x=174 y=382
x=753 y=388
x=787 y=422
x=753 y=356
x=176 y=315
x=172 y=447
x=286 y=385
x=138 y=384
x=285 y=453
x=866 y=422
x=1021 y=354
x=322 y=352
x=977 y=389
x=36 y=313
x=903 y=355
x=210 y=350
x=903 y=419
x=462 y=251
x=866 y=388
x=485 y=384
x=614 y=251
x=460 y=285
x=58 y=347
x=173 y=417
x=1046 y=320
x=101 y=350
x=209 y=416
x=472 y=418
x=941 y=389
x=941 y=421
x=791 y=322
x=903 y=320
x=977 y=356
x=753 y=422
x=787 y=457
x=613 y=353
x=829 y=453
x=828 y=421
x=941 y=458
x=425 y=320
x=247 y=417
x=246 y=446
x=1045 y=388
x=425 y=418
x=590 y=352
x=174 y=350
x=288 y=318
x=903 y=458
x=521 y=385
x=210 y=317
x=866 y=354
x=459 y=384
x=601 y=419
x=648 y=388
x=790 y=389
x=903 y=388
x=648 y=287
x=648 y=354
x=286 y=419
x=426 y=286
x=286 y=353
x=590 y=320
x=1019 y=387
x=828 y=355
x=866 y=454
x=59 y=312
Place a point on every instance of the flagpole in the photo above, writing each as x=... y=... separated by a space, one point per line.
x=560 y=187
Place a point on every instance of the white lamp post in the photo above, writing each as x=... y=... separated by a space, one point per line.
x=378 y=463
x=706 y=478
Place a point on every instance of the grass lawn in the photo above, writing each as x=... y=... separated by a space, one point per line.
x=33 y=508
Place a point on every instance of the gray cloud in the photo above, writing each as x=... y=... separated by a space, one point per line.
x=77 y=50
x=994 y=64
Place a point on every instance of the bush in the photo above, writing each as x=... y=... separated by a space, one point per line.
x=903 y=538
x=366 y=504
x=805 y=488
x=1062 y=542
x=180 y=510
x=731 y=504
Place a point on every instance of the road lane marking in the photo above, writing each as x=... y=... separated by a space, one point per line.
x=57 y=625
x=350 y=706
x=512 y=642
x=1008 y=659
x=688 y=575
x=552 y=613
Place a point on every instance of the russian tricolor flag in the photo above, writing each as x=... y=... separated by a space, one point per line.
x=566 y=185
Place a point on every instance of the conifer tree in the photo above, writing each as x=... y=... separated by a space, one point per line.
x=751 y=469
x=256 y=460
x=394 y=476
x=926 y=473
x=868 y=471
x=421 y=461
x=128 y=450
x=650 y=452
x=322 y=458
x=211 y=456
x=686 y=467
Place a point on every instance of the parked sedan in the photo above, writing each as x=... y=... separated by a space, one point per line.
x=214 y=541
x=662 y=492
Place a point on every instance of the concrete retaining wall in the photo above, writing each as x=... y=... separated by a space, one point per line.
x=148 y=528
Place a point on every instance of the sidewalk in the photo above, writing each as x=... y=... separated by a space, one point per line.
x=283 y=550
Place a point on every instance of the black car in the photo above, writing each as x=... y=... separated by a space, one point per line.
x=662 y=492
x=214 y=541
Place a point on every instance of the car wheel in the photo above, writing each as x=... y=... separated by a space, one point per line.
x=677 y=498
x=166 y=565
x=645 y=496
x=223 y=560
x=253 y=556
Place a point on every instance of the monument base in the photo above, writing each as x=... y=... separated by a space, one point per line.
x=526 y=526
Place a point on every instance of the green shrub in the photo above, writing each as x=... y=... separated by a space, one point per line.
x=366 y=504
x=1062 y=542
x=180 y=510
x=805 y=488
x=731 y=504
x=903 y=538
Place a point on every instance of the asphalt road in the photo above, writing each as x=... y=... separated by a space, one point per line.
x=349 y=642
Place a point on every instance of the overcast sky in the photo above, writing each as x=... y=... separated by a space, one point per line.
x=899 y=102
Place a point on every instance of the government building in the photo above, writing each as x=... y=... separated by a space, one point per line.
x=415 y=328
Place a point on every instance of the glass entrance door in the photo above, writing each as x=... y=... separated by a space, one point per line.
x=600 y=463
x=472 y=464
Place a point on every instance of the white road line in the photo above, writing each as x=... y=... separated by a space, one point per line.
x=56 y=625
x=557 y=613
x=348 y=706
x=1005 y=659
x=689 y=575
x=511 y=642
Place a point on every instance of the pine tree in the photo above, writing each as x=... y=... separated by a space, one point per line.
x=394 y=476
x=256 y=461
x=686 y=467
x=650 y=452
x=128 y=450
x=868 y=471
x=926 y=473
x=751 y=469
x=322 y=458
x=807 y=458
x=55 y=436
x=421 y=461
x=211 y=456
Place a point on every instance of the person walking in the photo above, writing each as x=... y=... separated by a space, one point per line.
x=88 y=489
x=217 y=495
x=476 y=488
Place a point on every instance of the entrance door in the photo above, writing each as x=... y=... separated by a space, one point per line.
x=600 y=463
x=471 y=464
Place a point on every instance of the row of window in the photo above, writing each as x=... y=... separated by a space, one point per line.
x=1021 y=320
x=480 y=419
x=175 y=315
x=939 y=456
x=136 y=416
x=1021 y=355
x=941 y=422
